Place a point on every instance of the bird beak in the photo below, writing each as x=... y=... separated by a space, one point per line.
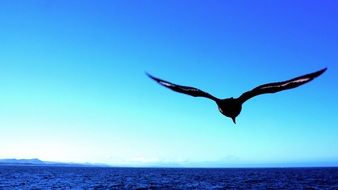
x=234 y=119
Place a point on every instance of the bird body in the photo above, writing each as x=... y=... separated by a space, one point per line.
x=231 y=107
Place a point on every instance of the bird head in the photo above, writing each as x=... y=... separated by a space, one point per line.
x=234 y=119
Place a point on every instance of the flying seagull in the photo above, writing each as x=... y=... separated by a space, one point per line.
x=231 y=107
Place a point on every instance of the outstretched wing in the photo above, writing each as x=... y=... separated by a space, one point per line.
x=279 y=86
x=183 y=89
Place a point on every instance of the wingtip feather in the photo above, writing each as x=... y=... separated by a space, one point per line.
x=318 y=73
x=146 y=73
x=324 y=69
x=153 y=78
x=149 y=75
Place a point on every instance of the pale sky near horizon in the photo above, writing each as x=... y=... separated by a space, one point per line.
x=73 y=87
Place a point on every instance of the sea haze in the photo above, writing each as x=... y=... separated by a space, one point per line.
x=31 y=177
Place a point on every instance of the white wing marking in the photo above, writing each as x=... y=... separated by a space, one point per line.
x=166 y=84
x=285 y=84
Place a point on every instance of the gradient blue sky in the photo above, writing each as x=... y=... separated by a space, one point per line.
x=73 y=86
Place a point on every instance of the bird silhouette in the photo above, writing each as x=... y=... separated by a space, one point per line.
x=231 y=107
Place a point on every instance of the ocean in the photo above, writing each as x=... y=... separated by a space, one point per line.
x=36 y=177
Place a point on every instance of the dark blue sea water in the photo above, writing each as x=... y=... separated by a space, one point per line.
x=34 y=177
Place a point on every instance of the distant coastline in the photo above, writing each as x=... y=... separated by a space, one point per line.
x=38 y=162
x=208 y=165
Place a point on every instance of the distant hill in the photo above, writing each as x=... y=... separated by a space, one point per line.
x=38 y=162
x=21 y=161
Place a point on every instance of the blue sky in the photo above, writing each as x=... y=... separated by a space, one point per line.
x=73 y=84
